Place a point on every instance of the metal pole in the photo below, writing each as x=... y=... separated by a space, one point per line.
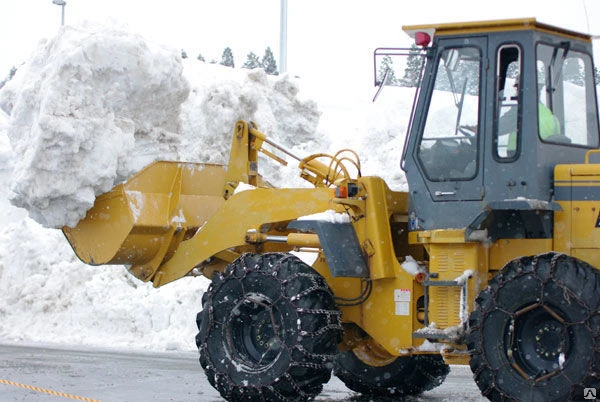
x=283 y=38
x=62 y=4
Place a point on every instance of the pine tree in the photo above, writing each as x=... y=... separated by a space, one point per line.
x=573 y=71
x=413 y=67
x=227 y=58
x=387 y=65
x=252 y=61
x=200 y=57
x=183 y=54
x=442 y=81
x=268 y=62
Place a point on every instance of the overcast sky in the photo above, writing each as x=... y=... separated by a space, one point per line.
x=322 y=34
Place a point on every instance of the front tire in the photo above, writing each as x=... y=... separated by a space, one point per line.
x=534 y=334
x=268 y=330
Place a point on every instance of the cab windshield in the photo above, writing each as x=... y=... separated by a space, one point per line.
x=448 y=146
x=565 y=84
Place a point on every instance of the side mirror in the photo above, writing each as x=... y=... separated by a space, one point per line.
x=380 y=84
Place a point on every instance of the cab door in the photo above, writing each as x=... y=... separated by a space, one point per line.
x=449 y=139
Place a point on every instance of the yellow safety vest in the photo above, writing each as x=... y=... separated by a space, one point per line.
x=548 y=126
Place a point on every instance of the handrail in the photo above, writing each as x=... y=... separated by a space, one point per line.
x=591 y=151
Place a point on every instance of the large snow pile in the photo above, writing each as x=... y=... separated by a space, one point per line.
x=95 y=104
x=80 y=108
x=60 y=103
x=221 y=96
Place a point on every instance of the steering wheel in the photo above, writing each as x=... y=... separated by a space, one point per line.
x=467 y=131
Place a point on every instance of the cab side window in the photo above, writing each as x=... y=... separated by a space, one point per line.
x=508 y=104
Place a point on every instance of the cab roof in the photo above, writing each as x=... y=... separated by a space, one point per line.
x=474 y=27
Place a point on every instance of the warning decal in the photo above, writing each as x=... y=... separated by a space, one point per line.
x=402 y=301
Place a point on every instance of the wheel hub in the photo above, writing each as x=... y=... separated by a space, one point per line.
x=253 y=332
x=550 y=340
x=539 y=342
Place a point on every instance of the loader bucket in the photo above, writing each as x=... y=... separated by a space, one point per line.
x=140 y=221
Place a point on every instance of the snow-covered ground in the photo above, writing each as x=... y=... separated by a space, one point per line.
x=96 y=103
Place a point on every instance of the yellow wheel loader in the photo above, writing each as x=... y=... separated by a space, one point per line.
x=489 y=259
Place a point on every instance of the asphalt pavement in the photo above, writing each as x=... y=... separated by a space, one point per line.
x=48 y=373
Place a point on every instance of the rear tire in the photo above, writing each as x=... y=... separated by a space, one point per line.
x=268 y=330
x=404 y=376
x=534 y=333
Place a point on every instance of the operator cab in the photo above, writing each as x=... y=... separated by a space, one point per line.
x=500 y=103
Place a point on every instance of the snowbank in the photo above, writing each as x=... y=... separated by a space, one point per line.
x=375 y=130
x=92 y=106
x=382 y=141
x=7 y=156
x=221 y=96
x=62 y=104
x=50 y=296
